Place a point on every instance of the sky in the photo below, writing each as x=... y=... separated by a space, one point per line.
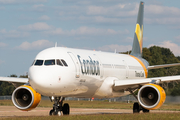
x=29 y=26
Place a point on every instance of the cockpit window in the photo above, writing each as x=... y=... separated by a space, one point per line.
x=33 y=63
x=59 y=62
x=64 y=62
x=49 y=62
x=39 y=62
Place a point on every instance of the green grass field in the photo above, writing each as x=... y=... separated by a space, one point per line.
x=96 y=104
x=80 y=104
x=103 y=104
x=147 y=116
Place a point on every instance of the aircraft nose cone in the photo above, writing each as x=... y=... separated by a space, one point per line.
x=40 y=79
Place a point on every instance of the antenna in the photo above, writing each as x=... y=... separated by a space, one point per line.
x=56 y=44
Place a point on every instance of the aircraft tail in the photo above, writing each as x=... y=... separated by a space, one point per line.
x=138 y=36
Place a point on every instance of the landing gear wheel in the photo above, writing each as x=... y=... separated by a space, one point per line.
x=136 y=108
x=58 y=107
x=145 y=110
x=65 y=109
x=52 y=112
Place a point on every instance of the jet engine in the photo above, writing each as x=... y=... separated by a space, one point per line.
x=25 y=98
x=151 y=96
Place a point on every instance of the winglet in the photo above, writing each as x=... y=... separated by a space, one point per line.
x=138 y=36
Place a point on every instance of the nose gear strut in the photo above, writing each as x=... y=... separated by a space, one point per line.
x=58 y=107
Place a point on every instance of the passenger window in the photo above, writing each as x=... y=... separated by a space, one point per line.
x=39 y=62
x=59 y=62
x=65 y=64
x=49 y=62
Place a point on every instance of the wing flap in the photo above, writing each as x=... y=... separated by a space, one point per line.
x=14 y=80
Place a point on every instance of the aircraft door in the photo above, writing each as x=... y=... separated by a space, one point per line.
x=127 y=69
x=76 y=63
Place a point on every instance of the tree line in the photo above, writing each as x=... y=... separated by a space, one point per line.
x=158 y=55
x=7 y=88
x=155 y=55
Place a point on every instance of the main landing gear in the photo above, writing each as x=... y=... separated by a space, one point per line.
x=58 y=107
x=136 y=107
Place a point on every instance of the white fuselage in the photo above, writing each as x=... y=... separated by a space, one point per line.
x=86 y=75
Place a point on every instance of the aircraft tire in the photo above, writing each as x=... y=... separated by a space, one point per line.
x=145 y=110
x=136 y=107
x=51 y=112
x=65 y=109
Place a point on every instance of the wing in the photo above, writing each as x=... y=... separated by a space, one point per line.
x=14 y=80
x=136 y=83
x=162 y=66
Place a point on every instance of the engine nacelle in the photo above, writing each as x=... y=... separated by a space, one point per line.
x=25 y=98
x=151 y=96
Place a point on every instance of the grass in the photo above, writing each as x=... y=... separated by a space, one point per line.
x=6 y=103
x=102 y=104
x=92 y=104
x=96 y=104
x=170 y=107
x=149 y=116
x=80 y=104
x=106 y=104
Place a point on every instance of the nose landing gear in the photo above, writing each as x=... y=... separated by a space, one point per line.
x=58 y=107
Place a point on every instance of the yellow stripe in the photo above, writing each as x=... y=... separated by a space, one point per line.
x=142 y=64
x=139 y=34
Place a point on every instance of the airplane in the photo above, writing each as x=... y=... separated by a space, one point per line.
x=60 y=72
